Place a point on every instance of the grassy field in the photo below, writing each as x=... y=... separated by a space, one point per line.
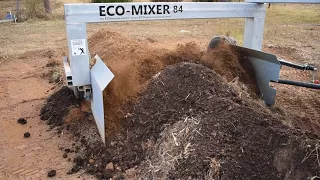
x=294 y=26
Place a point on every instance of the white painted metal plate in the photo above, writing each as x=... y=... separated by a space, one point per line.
x=78 y=15
x=266 y=67
x=78 y=47
x=110 y=12
x=78 y=54
x=101 y=76
x=285 y=1
x=253 y=33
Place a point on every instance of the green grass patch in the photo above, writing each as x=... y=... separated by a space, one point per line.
x=230 y=27
x=293 y=14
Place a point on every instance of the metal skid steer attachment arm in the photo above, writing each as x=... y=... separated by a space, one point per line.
x=91 y=82
x=267 y=69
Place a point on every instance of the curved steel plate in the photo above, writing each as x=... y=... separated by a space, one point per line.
x=101 y=76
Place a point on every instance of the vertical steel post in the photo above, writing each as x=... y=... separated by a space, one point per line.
x=253 y=31
x=78 y=54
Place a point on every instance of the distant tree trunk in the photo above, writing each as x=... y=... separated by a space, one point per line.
x=18 y=12
x=47 y=6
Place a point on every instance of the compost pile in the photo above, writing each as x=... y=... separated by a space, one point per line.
x=190 y=123
x=183 y=114
x=135 y=63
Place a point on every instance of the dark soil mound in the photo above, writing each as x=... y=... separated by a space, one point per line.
x=230 y=64
x=134 y=63
x=57 y=106
x=231 y=138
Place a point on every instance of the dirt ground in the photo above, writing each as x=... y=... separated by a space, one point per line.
x=23 y=90
x=30 y=46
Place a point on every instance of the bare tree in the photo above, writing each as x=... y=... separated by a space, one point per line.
x=18 y=12
x=47 y=6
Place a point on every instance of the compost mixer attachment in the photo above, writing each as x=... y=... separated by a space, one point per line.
x=90 y=82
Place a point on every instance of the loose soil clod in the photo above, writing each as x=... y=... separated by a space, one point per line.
x=67 y=150
x=91 y=161
x=57 y=106
x=110 y=166
x=22 y=121
x=26 y=135
x=52 y=173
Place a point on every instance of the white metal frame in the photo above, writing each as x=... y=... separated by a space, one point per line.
x=77 y=16
x=285 y=1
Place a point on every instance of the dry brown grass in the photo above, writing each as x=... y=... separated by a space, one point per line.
x=6 y=5
x=34 y=8
x=215 y=169
x=19 y=38
x=173 y=145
